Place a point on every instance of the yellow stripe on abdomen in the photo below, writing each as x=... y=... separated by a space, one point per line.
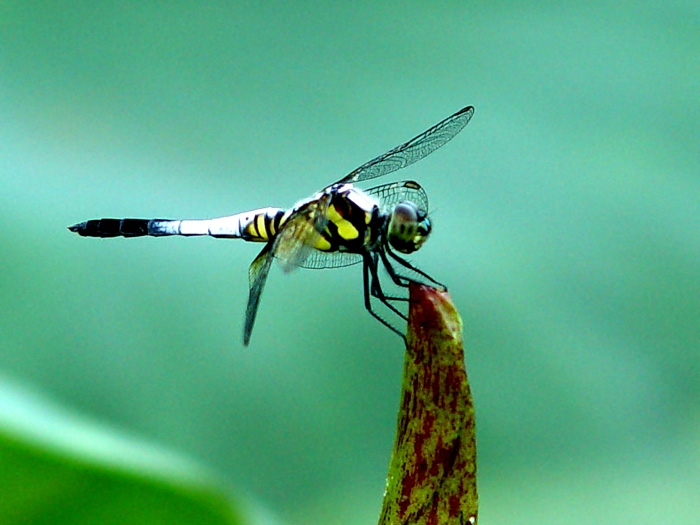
x=261 y=225
x=257 y=229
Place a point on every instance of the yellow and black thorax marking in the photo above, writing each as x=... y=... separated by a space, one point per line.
x=349 y=214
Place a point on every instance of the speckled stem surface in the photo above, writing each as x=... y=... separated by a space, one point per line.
x=432 y=474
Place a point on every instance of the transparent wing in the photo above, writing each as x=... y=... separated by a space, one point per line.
x=389 y=195
x=319 y=260
x=257 y=275
x=413 y=150
x=295 y=242
x=291 y=246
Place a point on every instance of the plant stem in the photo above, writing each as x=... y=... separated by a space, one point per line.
x=432 y=474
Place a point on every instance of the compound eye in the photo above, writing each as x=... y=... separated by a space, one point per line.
x=405 y=227
x=405 y=216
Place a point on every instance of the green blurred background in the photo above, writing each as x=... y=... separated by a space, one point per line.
x=566 y=225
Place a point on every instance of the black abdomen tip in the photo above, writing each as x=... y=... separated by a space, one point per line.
x=111 y=228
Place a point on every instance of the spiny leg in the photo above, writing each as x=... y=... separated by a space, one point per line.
x=367 y=266
x=379 y=293
x=376 y=289
x=397 y=278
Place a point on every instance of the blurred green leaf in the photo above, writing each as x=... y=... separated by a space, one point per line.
x=57 y=468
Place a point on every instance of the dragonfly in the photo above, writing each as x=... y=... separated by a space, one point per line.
x=339 y=226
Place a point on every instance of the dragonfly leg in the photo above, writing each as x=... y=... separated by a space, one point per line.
x=379 y=293
x=369 y=274
x=402 y=280
x=376 y=290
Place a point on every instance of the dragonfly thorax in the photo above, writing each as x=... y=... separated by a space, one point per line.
x=408 y=227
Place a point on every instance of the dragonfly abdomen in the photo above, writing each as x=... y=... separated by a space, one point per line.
x=257 y=225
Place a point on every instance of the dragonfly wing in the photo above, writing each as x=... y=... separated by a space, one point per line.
x=257 y=275
x=291 y=246
x=319 y=260
x=413 y=150
x=295 y=242
x=389 y=195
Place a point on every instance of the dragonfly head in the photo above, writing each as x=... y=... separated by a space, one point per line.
x=408 y=228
